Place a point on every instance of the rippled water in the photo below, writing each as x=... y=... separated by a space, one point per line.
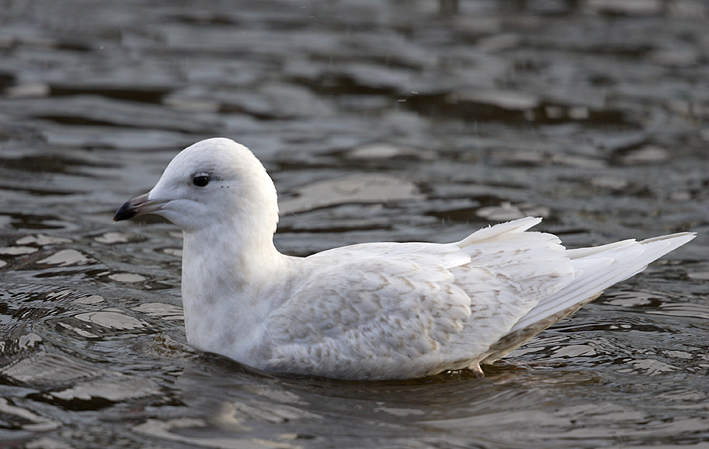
x=399 y=120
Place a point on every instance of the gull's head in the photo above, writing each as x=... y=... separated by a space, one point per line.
x=215 y=181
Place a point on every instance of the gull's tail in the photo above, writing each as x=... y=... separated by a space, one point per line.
x=597 y=269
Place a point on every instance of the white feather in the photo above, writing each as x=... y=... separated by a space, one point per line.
x=600 y=267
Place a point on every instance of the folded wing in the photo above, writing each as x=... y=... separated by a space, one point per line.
x=411 y=309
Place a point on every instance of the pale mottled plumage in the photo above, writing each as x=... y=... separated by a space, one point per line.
x=369 y=311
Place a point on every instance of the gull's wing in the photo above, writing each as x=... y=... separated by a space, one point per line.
x=390 y=310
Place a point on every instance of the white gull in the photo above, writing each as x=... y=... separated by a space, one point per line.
x=368 y=311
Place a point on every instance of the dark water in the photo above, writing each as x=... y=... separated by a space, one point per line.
x=398 y=120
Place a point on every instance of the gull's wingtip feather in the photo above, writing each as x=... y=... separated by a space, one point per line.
x=676 y=240
x=598 y=268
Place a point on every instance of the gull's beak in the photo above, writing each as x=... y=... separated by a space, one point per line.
x=139 y=205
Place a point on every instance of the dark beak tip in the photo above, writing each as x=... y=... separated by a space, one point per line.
x=125 y=212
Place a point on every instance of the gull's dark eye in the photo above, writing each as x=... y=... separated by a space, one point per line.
x=201 y=180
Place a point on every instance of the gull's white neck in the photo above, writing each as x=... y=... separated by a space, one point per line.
x=228 y=273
